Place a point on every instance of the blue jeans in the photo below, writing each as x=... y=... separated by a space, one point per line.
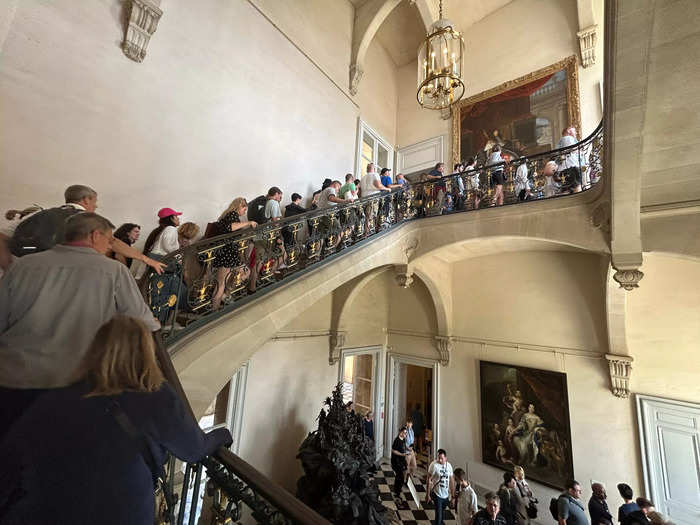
x=440 y=505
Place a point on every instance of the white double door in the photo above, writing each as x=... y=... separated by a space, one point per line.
x=670 y=435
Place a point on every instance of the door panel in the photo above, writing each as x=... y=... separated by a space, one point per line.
x=671 y=445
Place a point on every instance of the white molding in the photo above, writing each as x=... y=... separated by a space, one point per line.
x=642 y=402
x=363 y=126
x=394 y=358
x=580 y=352
x=236 y=404
x=378 y=401
x=434 y=148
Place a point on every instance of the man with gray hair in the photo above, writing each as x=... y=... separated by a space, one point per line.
x=51 y=305
x=44 y=229
x=491 y=515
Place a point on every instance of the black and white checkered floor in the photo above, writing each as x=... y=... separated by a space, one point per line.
x=405 y=509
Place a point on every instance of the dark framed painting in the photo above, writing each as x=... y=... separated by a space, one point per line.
x=524 y=116
x=525 y=422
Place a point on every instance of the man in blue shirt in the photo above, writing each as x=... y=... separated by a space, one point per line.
x=569 y=506
x=411 y=462
x=385 y=176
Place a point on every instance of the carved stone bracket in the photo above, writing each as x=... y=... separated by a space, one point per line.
x=600 y=217
x=404 y=280
x=444 y=346
x=620 y=372
x=356 y=73
x=404 y=275
x=143 y=21
x=628 y=279
x=587 y=39
x=336 y=342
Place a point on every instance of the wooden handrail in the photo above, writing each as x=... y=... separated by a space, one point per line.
x=269 y=489
x=272 y=492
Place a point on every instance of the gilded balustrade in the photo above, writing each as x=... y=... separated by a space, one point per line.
x=282 y=250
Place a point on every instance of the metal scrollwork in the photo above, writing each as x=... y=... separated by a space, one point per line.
x=182 y=297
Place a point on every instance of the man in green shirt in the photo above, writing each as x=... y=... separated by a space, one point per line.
x=348 y=191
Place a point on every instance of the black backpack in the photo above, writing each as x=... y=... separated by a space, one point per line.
x=256 y=209
x=41 y=231
x=554 y=508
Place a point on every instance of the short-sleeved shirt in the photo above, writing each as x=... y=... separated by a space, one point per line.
x=166 y=242
x=386 y=180
x=367 y=184
x=398 y=445
x=410 y=437
x=571 y=510
x=51 y=305
x=323 y=199
x=348 y=187
x=440 y=476
x=272 y=209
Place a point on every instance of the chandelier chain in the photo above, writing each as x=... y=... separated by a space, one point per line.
x=440 y=9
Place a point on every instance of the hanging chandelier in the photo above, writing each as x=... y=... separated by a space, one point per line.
x=440 y=66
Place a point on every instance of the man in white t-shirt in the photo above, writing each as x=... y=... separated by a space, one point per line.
x=272 y=207
x=329 y=196
x=440 y=485
x=371 y=183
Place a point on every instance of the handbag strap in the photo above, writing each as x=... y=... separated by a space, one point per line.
x=141 y=442
x=138 y=437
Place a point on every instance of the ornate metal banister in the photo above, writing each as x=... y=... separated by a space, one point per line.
x=182 y=297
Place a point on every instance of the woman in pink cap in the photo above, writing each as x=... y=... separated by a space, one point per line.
x=160 y=242
x=163 y=239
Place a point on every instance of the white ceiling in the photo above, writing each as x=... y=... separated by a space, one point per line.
x=403 y=30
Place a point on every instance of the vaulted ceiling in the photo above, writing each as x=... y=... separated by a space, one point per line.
x=403 y=30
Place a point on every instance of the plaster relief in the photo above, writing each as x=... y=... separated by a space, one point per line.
x=143 y=21
x=620 y=372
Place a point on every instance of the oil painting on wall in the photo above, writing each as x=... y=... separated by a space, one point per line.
x=524 y=116
x=525 y=421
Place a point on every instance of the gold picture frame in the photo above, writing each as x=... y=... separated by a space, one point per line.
x=569 y=64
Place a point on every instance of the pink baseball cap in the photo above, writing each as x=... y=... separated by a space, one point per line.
x=167 y=212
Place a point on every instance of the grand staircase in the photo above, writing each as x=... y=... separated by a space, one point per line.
x=323 y=250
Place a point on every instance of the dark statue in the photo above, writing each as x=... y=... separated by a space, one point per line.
x=338 y=463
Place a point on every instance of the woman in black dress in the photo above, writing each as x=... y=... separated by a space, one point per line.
x=227 y=257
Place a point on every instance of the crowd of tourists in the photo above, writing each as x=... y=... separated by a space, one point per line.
x=30 y=229
x=514 y=503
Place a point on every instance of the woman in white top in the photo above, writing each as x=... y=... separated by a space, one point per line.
x=497 y=176
x=523 y=495
x=465 y=498
x=163 y=239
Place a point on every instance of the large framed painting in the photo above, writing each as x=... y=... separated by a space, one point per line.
x=524 y=116
x=525 y=422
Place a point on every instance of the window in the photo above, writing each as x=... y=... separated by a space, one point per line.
x=358 y=374
x=372 y=148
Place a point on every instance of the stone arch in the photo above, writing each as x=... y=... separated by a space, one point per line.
x=368 y=19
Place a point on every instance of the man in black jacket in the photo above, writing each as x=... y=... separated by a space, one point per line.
x=598 y=507
x=639 y=517
x=295 y=208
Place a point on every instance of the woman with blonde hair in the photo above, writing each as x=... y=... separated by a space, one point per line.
x=187 y=233
x=227 y=257
x=77 y=454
